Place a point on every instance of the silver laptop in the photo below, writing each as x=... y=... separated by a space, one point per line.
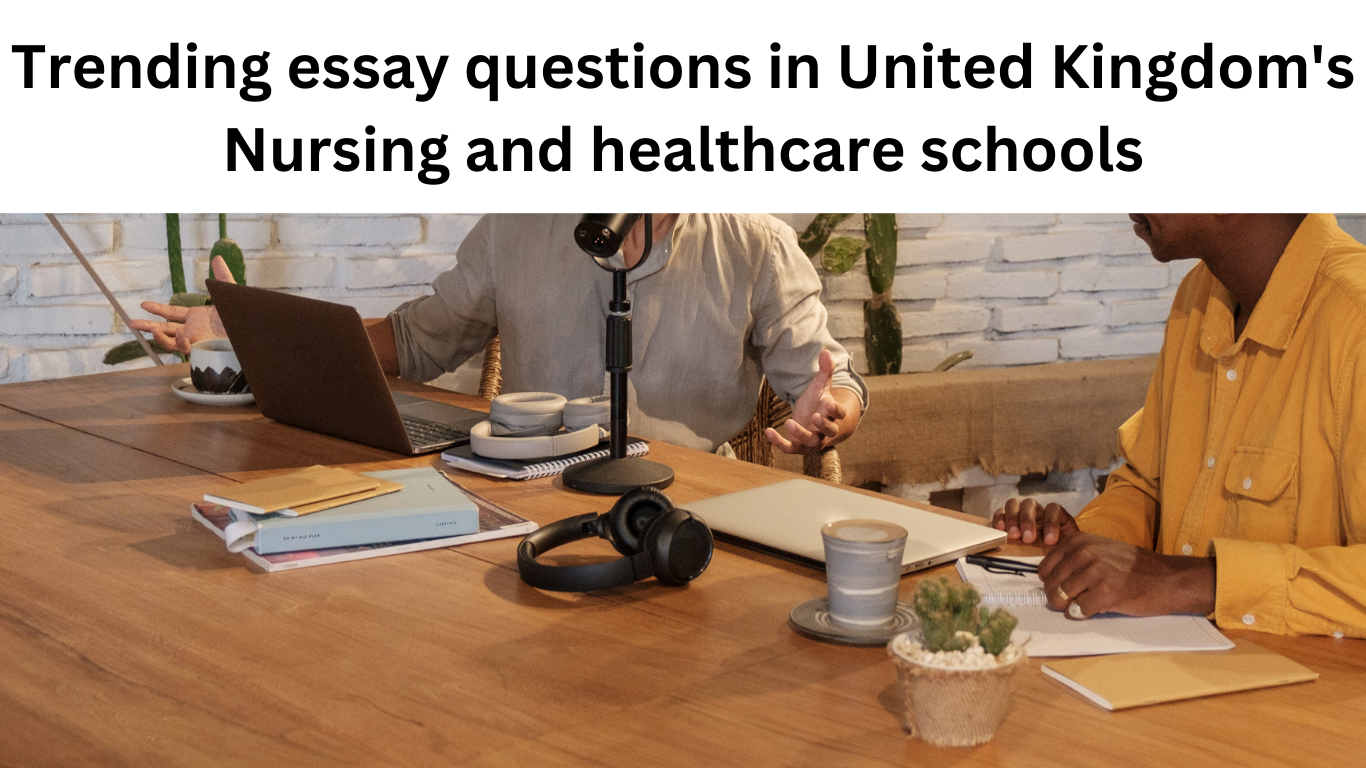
x=785 y=519
x=310 y=364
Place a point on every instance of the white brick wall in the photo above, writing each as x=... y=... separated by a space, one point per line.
x=9 y=280
x=1016 y=289
x=54 y=322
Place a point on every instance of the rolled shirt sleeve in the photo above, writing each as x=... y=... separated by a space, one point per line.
x=790 y=324
x=436 y=333
x=1128 y=509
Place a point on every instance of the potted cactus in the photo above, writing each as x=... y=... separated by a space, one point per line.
x=956 y=669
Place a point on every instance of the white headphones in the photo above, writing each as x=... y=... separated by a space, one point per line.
x=533 y=425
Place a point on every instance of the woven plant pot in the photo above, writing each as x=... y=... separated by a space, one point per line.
x=954 y=706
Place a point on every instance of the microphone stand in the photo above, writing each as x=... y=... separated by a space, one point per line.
x=618 y=473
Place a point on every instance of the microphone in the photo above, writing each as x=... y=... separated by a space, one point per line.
x=600 y=234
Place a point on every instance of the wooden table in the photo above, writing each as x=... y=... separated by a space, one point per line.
x=129 y=636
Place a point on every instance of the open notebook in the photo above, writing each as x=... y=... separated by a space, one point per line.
x=1046 y=632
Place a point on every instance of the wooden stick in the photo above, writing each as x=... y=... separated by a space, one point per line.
x=146 y=347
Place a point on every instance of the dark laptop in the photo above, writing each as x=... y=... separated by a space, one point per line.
x=310 y=364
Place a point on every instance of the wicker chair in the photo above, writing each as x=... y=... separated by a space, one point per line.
x=750 y=445
x=491 y=377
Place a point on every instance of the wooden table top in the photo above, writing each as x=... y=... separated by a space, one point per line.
x=129 y=636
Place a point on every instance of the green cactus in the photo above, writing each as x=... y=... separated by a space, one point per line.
x=946 y=609
x=882 y=321
x=882 y=335
x=841 y=253
x=128 y=350
x=230 y=251
x=881 y=318
x=995 y=629
x=818 y=231
x=880 y=229
x=177 y=264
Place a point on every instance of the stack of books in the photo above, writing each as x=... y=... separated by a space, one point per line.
x=325 y=515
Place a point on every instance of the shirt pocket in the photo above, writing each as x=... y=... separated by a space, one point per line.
x=1263 y=495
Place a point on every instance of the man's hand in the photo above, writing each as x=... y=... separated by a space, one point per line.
x=1026 y=520
x=184 y=326
x=1098 y=574
x=821 y=417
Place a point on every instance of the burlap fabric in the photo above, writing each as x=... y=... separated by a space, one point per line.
x=927 y=427
x=954 y=707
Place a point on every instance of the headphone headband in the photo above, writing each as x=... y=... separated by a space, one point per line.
x=575 y=578
x=656 y=538
x=527 y=425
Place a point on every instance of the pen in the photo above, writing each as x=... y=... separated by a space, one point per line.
x=1002 y=564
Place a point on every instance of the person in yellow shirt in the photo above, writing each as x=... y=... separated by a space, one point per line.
x=1243 y=489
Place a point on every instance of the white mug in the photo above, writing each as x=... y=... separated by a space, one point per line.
x=214 y=368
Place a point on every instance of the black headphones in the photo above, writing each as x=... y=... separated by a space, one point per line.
x=657 y=539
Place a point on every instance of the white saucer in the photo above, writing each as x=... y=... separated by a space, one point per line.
x=186 y=391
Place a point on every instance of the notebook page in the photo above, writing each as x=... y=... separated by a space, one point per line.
x=1050 y=633
x=1004 y=588
x=1046 y=632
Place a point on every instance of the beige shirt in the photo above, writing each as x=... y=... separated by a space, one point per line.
x=725 y=300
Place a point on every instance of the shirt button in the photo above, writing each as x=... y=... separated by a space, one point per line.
x=1186 y=549
x=1232 y=374
x=1247 y=484
x=1210 y=462
x=1249 y=619
x=1338 y=634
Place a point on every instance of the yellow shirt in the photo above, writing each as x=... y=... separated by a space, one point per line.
x=1253 y=450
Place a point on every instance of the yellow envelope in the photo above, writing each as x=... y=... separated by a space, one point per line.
x=385 y=486
x=293 y=490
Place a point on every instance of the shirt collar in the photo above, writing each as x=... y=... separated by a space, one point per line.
x=1279 y=309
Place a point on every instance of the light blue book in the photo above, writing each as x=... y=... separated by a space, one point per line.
x=428 y=507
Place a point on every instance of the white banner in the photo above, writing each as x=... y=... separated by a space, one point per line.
x=1020 y=106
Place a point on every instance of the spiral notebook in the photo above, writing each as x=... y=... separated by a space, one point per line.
x=1046 y=632
x=463 y=457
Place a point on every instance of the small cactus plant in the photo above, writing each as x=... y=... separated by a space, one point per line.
x=950 y=618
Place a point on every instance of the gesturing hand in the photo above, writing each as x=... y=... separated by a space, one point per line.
x=1099 y=574
x=1028 y=519
x=184 y=326
x=819 y=418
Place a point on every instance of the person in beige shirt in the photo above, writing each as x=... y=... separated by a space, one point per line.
x=722 y=301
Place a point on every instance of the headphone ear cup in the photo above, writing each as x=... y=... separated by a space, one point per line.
x=631 y=517
x=680 y=547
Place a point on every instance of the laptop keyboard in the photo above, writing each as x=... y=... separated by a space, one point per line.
x=425 y=434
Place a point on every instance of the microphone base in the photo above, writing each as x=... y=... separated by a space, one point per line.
x=613 y=477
